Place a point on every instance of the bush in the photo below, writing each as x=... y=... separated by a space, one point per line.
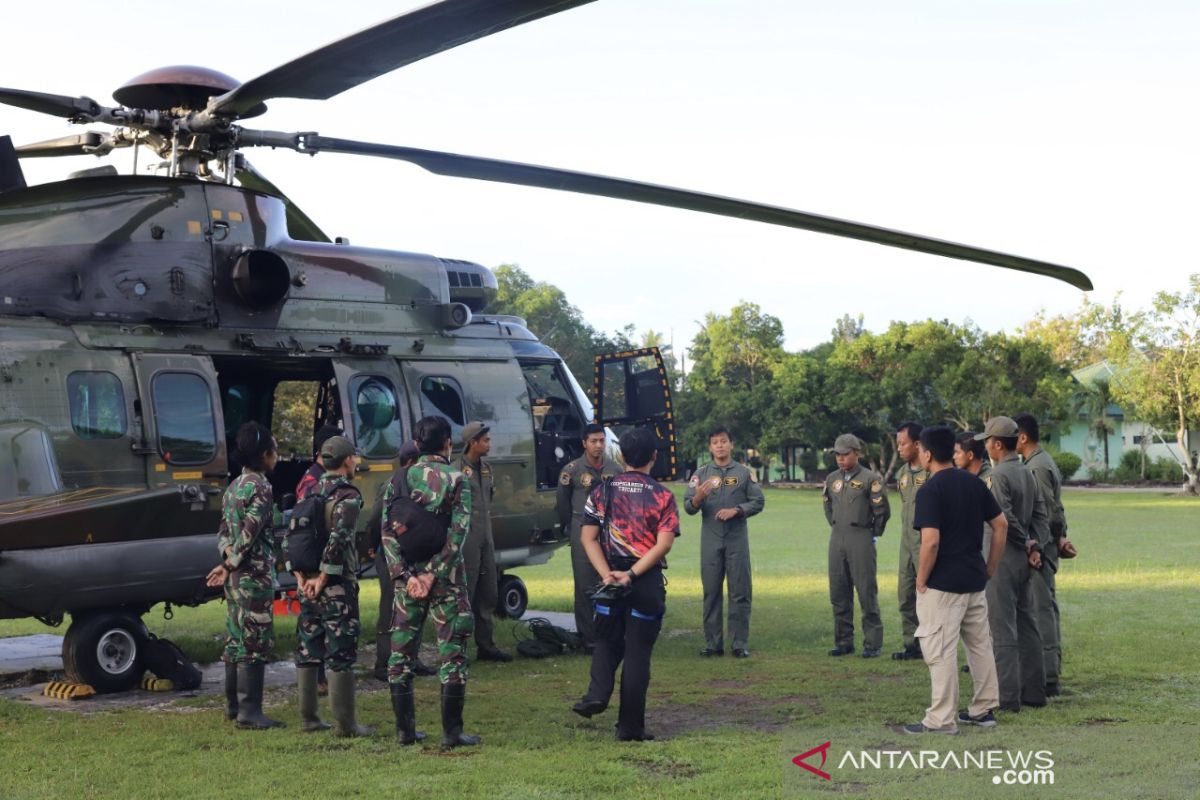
x=1097 y=475
x=1165 y=469
x=1130 y=468
x=1068 y=464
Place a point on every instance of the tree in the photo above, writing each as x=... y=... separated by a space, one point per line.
x=1158 y=355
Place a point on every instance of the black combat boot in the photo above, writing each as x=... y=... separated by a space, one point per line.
x=341 y=698
x=454 y=697
x=383 y=651
x=406 y=714
x=231 y=700
x=250 y=697
x=306 y=683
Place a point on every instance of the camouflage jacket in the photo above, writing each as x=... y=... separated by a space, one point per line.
x=435 y=485
x=244 y=539
x=342 y=505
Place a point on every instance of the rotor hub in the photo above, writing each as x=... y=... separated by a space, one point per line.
x=183 y=86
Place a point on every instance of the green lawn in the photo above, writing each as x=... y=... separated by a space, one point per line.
x=1127 y=726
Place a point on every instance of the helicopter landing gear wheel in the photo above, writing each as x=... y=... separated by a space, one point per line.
x=513 y=597
x=105 y=650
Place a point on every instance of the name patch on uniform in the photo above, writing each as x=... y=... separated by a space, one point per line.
x=564 y=479
x=485 y=471
x=585 y=479
x=878 y=500
x=731 y=481
x=876 y=486
x=837 y=485
x=856 y=484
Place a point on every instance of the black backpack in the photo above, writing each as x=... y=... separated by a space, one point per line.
x=166 y=660
x=308 y=532
x=425 y=531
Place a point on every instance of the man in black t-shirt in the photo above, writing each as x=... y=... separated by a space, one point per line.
x=951 y=576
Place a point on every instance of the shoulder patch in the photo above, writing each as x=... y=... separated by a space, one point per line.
x=695 y=481
x=468 y=471
x=836 y=486
x=876 y=486
x=565 y=478
x=856 y=484
x=903 y=481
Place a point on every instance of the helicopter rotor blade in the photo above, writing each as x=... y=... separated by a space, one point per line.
x=58 y=105
x=77 y=145
x=377 y=50
x=487 y=169
x=300 y=225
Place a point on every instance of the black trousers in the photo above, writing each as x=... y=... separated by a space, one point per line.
x=626 y=630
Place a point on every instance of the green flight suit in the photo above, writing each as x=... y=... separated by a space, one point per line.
x=725 y=549
x=1050 y=481
x=856 y=507
x=908 y=481
x=479 y=552
x=575 y=483
x=1012 y=615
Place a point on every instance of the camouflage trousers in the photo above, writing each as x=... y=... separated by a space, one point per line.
x=328 y=627
x=447 y=604
x=250 y=628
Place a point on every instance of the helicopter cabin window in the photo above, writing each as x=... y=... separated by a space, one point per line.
x=376 y=412
x=183 y=412
x=443 y=397
x=557 y=425
x=27 y=465
x=97 y=405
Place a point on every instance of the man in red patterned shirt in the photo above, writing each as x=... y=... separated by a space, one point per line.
x=630 y=522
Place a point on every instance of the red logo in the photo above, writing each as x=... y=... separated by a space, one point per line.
x=823 y=749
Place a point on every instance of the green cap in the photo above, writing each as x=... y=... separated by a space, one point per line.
x=336 y=450
x=845 y=443
x=1001 y=427
x=472 y=431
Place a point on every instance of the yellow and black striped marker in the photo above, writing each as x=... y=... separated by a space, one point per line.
x=153 y=684
x=62 y=690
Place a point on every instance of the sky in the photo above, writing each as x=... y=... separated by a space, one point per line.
x=1062 y=130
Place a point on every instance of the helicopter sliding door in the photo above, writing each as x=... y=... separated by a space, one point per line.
x=632 y=390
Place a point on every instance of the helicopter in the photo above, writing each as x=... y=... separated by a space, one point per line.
x=143 y=318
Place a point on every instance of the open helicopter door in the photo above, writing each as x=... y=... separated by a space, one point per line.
x=632 y=390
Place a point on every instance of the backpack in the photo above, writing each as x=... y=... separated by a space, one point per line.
x=166 y=660
x=544 y=639
x=425 y=531
x=308 y=533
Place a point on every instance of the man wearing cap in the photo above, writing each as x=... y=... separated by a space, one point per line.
x=909 y=479
x=1011 y=612
x=328 y=626
x=856 y=507
x=1049 y=479
x=726 y=494
x=479 y=550
x=406 y=456
x=575 y=484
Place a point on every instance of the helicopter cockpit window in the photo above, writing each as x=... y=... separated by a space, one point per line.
x=376 y=413
x=443 y=397
x=183 y=412
x=27 y=465
x=550 y=398
x=97 y=405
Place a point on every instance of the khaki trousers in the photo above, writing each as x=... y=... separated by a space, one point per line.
x=945 y=617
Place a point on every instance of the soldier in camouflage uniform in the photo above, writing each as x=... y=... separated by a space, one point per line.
x=909 y=479
x=856 y=507
x=437 y=587
x=247 y=570
x=328 y=627
x=575 y=484
x=479 y=550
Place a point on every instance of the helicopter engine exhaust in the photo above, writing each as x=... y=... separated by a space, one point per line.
x=456 y=315
x=260 y=278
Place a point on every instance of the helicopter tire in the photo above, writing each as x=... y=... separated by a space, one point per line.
x=513 y=597
x=105 y=650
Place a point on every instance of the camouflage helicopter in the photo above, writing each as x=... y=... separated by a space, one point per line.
x=143 y=318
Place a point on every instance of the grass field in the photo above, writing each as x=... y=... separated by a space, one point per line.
x=1127 y=725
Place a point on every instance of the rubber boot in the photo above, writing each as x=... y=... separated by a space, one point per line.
x=383 y=651
x=406 y=714
x=231 y=698
x=341 y=698
x=250 y=697
x=306 y=683
x=454 y=697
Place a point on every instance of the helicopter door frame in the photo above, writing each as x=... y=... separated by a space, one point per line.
x=628 y=397
x=161 y=469
x=381 y=378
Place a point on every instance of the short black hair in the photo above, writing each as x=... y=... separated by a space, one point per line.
x=431 y=434
x=323 y=434
x=1028 y=425
x=592 y=429
x=717 y=430
x=967 y=441
x=913 y=429
x=638 y=446
x=938 y=440
x=254 y=441
x=1009 y=442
